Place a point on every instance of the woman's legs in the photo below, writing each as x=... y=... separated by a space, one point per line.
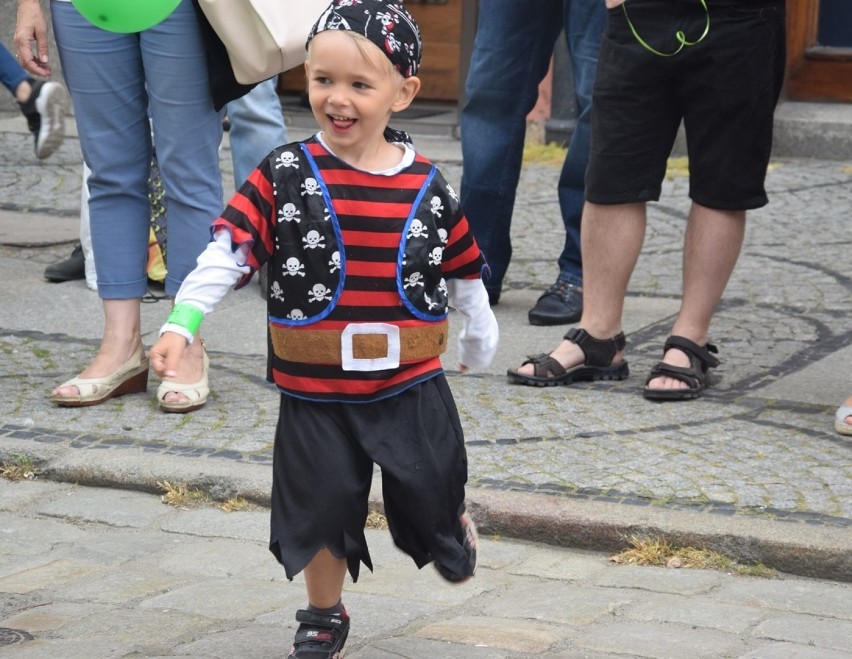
x=187 y=133
x=106 y=74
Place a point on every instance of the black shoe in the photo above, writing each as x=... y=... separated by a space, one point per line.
x=560 y=304
x=45 y=113
x=470 y=544
x=74 y=267
x=319 y=636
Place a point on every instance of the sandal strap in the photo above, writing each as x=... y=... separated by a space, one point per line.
x=692 y=349
x=689 y=376
x=598 y=352
x=544 y=366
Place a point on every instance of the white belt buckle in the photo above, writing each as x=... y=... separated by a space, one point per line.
x=351 y=363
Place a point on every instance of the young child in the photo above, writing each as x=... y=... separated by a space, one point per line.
x=367 y=248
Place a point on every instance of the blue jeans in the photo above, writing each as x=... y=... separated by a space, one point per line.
x=114 y=80
x=257 y=127
x=11 y=73
x=511 y=54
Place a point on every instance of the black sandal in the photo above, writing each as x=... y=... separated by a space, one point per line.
x=597 y=365
x=694 y=376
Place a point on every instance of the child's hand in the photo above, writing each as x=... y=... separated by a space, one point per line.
x=166 y=353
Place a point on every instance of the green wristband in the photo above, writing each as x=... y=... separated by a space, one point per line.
x=187 y=317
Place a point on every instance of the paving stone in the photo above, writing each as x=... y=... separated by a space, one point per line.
x=507 y=635
x=219 y=599
x=807 y=630
x=660 y=580
x=659 y=640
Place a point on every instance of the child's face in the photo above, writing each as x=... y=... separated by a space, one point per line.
x=353 y=90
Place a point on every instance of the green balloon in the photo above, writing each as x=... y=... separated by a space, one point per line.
x=125 y=15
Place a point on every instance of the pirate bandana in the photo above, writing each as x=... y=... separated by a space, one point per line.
x=384 y=22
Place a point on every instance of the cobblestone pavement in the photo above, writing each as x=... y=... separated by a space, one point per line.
x=754 y=468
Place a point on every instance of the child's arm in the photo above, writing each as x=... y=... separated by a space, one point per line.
x=217 y=271
x=479 y=333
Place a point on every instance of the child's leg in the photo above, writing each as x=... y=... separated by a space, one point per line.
x=324 y=577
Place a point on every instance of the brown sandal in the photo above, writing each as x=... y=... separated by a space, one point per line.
x=693 y=376
x=597 y=365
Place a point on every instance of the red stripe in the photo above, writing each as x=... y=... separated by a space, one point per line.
x=369 y=299
x=341 y=324
x=346 y=386
x=355 y=178
x=370 y=239
x=371 y=208
x=244 y=205
x=467 y=256
x=370 y=269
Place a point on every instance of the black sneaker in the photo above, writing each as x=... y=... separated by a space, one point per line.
x=561 y=304
x=470 y=544
x=74 y=267
x=45 y=113
x=319 y=636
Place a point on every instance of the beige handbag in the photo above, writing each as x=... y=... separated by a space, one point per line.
x=263 y=37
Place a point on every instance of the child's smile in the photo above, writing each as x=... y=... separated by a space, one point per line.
x=353 y=90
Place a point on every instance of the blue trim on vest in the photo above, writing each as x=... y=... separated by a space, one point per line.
x=336 y=226
x=400 y=287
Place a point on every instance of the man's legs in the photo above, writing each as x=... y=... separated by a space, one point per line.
x=612 y=238
x=562 y=303
x=710 y=251
x=511 y=55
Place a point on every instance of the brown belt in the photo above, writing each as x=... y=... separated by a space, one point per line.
x=310 y=346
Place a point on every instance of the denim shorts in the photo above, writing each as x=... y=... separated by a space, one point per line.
x=723 y=88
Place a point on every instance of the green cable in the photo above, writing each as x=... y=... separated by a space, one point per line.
x=681 y=37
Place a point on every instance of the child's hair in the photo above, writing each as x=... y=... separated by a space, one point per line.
x=368 y=51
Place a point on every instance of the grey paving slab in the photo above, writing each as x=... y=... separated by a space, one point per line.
x=224 y=596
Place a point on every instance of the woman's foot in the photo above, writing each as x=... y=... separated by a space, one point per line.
x=106 y=363
x=843 y=418
x=187 y=391
x=100 y=381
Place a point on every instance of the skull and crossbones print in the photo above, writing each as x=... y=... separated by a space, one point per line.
x=311 y=187
x=313 y=240
x=287 y=159
x=417 y=230
x=294 y=267
x=289 y=213
x=318 y=293
x=413 y=280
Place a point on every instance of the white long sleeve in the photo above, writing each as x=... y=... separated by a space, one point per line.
x=217 y=271
x=479 y=333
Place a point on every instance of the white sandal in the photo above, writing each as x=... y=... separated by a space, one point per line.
x=840 y=424
x=131 y=378
x=196 y=392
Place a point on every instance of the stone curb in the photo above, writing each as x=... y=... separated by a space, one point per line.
x=800 y=548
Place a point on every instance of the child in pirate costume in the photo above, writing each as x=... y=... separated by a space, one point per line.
x=367 y=248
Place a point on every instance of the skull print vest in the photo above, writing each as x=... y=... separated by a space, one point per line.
x=308 y=269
